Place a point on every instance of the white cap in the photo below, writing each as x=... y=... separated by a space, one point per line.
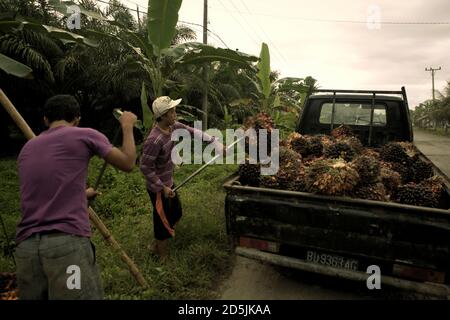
x=163 y=104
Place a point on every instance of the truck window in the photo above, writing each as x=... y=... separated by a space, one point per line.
x=353 y=114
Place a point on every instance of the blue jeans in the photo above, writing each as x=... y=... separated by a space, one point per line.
x=57 y=266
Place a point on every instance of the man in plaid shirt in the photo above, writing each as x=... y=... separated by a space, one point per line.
x=157 y=167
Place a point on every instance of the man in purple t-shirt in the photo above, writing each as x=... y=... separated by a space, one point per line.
x=54 y=255
x=157 y=167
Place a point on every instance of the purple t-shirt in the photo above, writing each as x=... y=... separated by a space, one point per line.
x=52 y=173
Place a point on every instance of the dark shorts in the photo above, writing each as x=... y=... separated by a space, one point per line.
x=164 y=221
x=57 y=266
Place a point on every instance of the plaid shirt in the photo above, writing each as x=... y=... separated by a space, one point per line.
x=156 y=163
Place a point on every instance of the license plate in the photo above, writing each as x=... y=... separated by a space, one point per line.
x=330 y=260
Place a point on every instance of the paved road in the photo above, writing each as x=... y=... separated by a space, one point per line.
x=252 y=279
x=436 y=148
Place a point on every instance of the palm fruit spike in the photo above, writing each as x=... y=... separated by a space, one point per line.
x=409 y=148
x=421 y=170
x=340 y=150
x=436 y=185
x=353 y=142
x=288 y=157
x=331 y=177
x=315 y=146
x=249 y=174
x=368 y=168
x=342 y=131
x=298 y=143
x=417 y=195
x=326 y=139
x=404 y=171
x=375 y=191
x=393 y=152
x=371 y=153
x=270 y=182
x=391 y=180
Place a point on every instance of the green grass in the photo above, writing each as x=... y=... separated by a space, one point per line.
x=200 y=253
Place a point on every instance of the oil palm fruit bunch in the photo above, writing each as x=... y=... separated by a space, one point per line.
x=298 y=143
x=409 y=148
x=290 y=164
x=368 y=168
x=288 y=157
x=286 y=177
x=417 y=195
x=315 y=146
x=263 y=121
x=289 y=175
x=374 y=191
x=394 y=152
x=331 y=177
x=391 y=180
x=326 y=139
x=436 y=185
x=353 y=142
x=270 y=182
x=371 y=153
x=260 y=121
x=340 y=150
x=342 y=131
x=249 y=174
x=420 y=170
x=403 y=170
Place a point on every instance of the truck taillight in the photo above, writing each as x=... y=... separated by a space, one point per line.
x=421 y=274
x=259 y=244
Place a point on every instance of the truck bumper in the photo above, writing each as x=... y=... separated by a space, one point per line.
x=433 y=289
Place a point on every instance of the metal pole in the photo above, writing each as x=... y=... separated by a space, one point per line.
x=372 y=107
x=432 y=78
x=333 y=112
x=138 y=17
x=204 y=166
x=205 y=67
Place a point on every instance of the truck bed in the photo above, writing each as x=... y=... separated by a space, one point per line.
x=387 y=234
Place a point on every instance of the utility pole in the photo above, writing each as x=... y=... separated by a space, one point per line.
x=139 y=18
x=432 y=77
x=205 y=66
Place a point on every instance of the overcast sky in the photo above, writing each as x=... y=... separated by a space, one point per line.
x=311 y=39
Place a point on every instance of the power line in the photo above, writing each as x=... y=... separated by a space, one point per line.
x=180 y=21
x=265 y=34
x=201 y=30
x=353 y=21
x=255 y=41
x=253 y=30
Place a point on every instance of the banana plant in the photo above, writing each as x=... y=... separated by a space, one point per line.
x=15 y=68
x=282 y=98
x=156 y=56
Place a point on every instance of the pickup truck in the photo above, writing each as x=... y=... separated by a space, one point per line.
x=340 y=236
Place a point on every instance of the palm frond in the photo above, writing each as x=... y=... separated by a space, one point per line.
x=18 y=49
x=42 y=43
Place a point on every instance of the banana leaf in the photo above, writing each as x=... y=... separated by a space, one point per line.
x=15 y=68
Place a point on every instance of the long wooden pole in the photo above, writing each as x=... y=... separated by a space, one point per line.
x=95 y=219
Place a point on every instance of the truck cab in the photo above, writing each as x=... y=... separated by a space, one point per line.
x=376 y=117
